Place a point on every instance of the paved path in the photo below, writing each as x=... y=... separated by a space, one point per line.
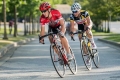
x=32 y=62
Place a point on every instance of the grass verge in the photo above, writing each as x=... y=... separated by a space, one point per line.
x=109 y=36
x=14 y=39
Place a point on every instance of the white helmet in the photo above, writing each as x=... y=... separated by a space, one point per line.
x=75 y=7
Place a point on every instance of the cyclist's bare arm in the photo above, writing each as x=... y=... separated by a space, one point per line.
x=64 y=40
x=42 y=32
x=89 y=25
x=89 y=22
x=62 y=24
x=71 y=25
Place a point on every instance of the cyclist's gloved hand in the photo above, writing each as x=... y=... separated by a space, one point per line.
x=86 y=28
x=71 y=33
x=41 y=40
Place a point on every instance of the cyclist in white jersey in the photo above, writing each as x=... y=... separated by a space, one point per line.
x=82 y=18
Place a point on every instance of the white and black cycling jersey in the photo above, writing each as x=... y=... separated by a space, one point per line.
x=81 y=19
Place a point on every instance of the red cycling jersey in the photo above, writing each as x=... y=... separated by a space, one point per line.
x=53 y=21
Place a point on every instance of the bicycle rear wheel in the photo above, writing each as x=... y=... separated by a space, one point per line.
x=72 y=64
x=96 y=59
x=86 y=55
x=60 y=68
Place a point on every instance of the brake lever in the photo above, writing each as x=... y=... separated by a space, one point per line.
x=72 y=38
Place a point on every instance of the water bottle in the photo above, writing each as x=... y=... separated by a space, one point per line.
x=89 y=44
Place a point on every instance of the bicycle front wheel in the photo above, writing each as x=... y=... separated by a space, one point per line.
x=60 y=68
x=86 y=55
x=72 y=64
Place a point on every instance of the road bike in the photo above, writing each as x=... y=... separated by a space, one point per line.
x=88 y=54
x=58 y=56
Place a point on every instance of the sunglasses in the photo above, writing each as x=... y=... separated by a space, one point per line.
x=74 y=11
x=44 y=11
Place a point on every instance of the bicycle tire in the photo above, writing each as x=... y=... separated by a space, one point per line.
x=96 y=59
x=72 y=64
x=56 y=64
x=86 y=55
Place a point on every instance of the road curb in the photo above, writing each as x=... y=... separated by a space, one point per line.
x=110 y=42
x=5 y=49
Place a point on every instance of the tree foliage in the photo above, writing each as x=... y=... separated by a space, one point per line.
x=99 y=10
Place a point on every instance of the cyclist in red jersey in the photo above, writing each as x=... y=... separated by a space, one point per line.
x=55 y=21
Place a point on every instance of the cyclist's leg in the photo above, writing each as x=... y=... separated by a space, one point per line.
x=90 y=37
x=65 y=44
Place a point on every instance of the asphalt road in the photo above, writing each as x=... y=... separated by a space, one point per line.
x=32 y=62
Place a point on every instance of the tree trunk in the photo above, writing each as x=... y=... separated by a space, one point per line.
x=108 y=28
x=15 y=21
x=4 y=11
x=38 y=27
x=105 y=26
x=32 y=25
x=0 y=25
x=25 y=29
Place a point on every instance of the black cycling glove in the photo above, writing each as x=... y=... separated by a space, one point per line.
x=40 y=39
x=71 y=33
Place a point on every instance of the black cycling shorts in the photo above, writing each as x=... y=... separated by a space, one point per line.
x=53 y=29
x=80 y=27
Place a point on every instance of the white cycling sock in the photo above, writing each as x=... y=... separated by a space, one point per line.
x=69 y=54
